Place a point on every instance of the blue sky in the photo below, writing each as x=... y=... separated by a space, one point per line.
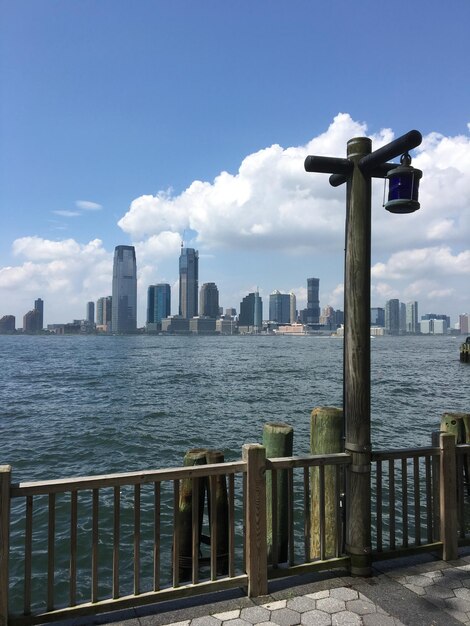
x=111 y=111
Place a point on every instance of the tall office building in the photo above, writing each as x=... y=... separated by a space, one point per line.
x=31 y=321
x=293 y=308
x=392 y=316
x=39 y=307
x=313 y=300
x=124 y=304
x=90 y=312
x=158 y=302
x=104 y=311
x=377 y=316
x=189 y=285
x=412 y=322
x=251 y=311
x=464 y=324
x=209 y=300
x=279 y=307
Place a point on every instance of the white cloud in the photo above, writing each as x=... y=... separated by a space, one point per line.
x=66 y=213
x=86 y=205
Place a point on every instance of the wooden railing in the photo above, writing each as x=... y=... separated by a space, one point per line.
x=85 y=545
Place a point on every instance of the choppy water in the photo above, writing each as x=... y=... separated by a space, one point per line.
x=87 y=405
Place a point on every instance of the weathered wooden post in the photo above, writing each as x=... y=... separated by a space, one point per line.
x=448 y=497
x=5 y=482
x=255 y=522
x=218 y=513
x=192 y=492
x=326 y=437
x=278 y=439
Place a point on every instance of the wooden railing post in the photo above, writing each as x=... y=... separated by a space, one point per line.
x=255 y=529
x=5 y=481
x=448 y=496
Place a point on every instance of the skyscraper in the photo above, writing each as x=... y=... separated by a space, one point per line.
x=104 y=311
x=39 y=307
x=158 y=302
x=251 y=311
x=412 y=322
x=189 y=286
x=279 y=307
x=209 y=300
x=124 y=305
x=293 y=307
x=392 y=316
x=313 y=300
x=90 y=312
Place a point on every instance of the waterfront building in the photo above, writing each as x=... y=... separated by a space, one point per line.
x=230 y=312
x=226 y=326
x=104 y=312
x=377 y=316
x=328 y=317
x=436 y=316
x=175 y=324
x=251 y=311
x=412 y=322
x=202 y=325
x=124 y=298
x=433 y=326
x=293 y=308
x=464 y=324
x=392 y=316
x=158 y=302
x=402 y=318
x=209 y=300
x=279 y=307
x=90 y=312
x=189 y=285
x=313 y=300
x=39 y=307
x=31 y=321
x=7 y=324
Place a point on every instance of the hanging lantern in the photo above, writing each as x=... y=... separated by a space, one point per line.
x=403 y=186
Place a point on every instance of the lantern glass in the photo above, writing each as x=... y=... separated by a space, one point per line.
x=403 y=187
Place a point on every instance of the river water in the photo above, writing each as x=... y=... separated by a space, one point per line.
x=80 y=405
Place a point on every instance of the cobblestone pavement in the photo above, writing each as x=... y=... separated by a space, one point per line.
x=416 y=591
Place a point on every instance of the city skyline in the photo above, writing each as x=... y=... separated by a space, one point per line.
x=113 y=136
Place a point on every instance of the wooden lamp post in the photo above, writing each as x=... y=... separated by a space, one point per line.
x=357 y=171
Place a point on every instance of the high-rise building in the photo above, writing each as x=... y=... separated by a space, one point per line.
x=209 y=300
x=313 y=300
x=104 y=311
x=31 y=321
x=189 y=286
x=124 y=303
x=402 y=318
x=90 y=312
x=7 y=324
x=464 y=324
x=392 y=316
x=377 y=316
x=251 y=311
x=293 y=308
x=158 y=302
x=39 y=307
x=412 y=321
x=279 y=307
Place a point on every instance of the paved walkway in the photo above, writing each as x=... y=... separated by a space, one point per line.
x=417 y=591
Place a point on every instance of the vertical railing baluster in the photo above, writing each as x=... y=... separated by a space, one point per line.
x=116 y=539
x=195 y=529
x=28 y=550
x=307 y=520
x=435 y=488
x=176 y=532
x=51 y=553
x=73 y=547
x=417 y=501
x=213 y=526
x=290 y=516
x=391 y=503
x=429 y=524
x=404 y=489
x=274 y=520
x=95 y=543
x=379 y=496
x=321 y=480
x=245 y=520
x=338 y=518
x=231 y=526
x=137 y=490
x=5 y=500
x=156 y=535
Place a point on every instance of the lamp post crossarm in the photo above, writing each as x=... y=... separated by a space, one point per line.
x=390 y=151
x=380 y=171
x=328 y=165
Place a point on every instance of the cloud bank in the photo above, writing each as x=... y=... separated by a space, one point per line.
x=272 y=208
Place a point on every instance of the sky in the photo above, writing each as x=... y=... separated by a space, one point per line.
x=155 y=122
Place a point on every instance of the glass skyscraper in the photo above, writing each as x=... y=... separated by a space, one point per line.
x=209 y=300
x=313 y=301
x=279 y=307
x=189 y=286
x=251 y=311
x=158 y=302
x=124 y=303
